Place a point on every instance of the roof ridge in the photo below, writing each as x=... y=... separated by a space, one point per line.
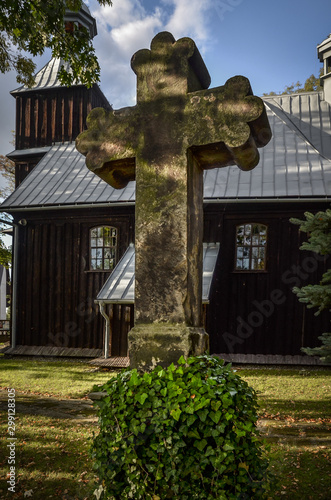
x=287 y=120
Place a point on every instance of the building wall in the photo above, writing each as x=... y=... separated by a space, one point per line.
x=249 y=312
x=56 y=289
x=256 y=312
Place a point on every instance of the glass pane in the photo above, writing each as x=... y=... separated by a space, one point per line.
x=98 y=263
x=93 y=242
x=240 y=235
x=98 y=253
x=109 y=253
x=93 y=253
x=245 y=264
x=239 y=264
x=261 y=264
x=262 y=252
x=263 y=239
x=114 y=241
x=248 y=230
x=255 y=254
x=100 y=232
x=100 y=242
x=114 y=232
x=94 y=233
x=246 y=252
x=106 y=264
x=93 y=264
x=240 y=252
x=255 y=239
x=106 y=237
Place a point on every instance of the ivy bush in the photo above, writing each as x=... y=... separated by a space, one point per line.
x=184 y=432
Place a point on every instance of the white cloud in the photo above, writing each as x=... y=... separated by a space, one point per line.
x=189 y=18
x=122 y=30
x=130 y=25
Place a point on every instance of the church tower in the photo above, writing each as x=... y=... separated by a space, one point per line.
x=324 y=55
x=49 y=112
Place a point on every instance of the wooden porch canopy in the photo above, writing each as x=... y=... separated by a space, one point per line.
x=119 y=287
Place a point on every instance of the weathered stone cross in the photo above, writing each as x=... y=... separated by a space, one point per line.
x=176 y=130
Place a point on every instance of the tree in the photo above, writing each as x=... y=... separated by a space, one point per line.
x=312 y=84
x=34 y=25
x=318 y=228
x=7 y=171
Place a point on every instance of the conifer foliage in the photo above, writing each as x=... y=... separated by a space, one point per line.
x=318 y=229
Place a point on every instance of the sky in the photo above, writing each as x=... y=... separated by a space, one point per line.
x=271 y=43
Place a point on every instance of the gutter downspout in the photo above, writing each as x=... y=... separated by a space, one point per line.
x=107 y=332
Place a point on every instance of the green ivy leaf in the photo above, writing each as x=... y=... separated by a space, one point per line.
x=200 y=444
x=176 y=413
x=141 y=398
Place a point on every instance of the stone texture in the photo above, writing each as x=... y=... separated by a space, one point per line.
x=177 y=129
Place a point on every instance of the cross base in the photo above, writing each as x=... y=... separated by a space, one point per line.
x=164 y=343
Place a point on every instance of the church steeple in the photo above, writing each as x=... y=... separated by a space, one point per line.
x=49 y=112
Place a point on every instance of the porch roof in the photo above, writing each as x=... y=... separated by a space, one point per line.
x=119 y=287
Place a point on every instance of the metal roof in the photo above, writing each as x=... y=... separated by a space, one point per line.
x=62 y=178
x=47 y=77
x=295 y=164
x=119 y=287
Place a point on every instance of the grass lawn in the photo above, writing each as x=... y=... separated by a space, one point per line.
x=295 y=410
x=52 y=453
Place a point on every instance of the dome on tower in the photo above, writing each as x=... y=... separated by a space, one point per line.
x=83 y=18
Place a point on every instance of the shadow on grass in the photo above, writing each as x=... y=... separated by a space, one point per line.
x=302 y=408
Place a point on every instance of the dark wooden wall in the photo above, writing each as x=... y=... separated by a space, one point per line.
x=256 y=312
x=50 y=116
x=54 y=115
x=56 y=290
x=249 y=312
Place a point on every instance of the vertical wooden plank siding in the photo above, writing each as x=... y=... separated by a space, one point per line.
x=56 y=289
x=256 y=312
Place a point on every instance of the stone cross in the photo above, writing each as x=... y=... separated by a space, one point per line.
x=177 y=129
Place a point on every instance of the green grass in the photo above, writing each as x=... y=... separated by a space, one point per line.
x=54 y=378
x=296 y=393
x=52 y=459
x=52 y=454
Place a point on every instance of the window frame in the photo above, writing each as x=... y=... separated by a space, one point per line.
x=103 y=258
x=250 y=246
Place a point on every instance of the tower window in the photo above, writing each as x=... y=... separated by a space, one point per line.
x=103 y=248
x=251 y=243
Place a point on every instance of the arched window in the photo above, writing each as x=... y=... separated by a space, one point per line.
x=103 y=247
x=251 y=243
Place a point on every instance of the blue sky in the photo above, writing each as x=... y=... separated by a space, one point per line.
x=271 y=43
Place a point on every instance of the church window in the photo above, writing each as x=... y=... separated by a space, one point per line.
x=251 y=243
x=103 y=248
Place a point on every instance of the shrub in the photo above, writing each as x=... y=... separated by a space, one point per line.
x=184 y=432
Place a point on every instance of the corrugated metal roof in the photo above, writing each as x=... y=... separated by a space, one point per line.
x=47 y=77
x=290 y=166
x=119 y=287
x=62 y=178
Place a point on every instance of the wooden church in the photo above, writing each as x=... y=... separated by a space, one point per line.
x=73 y=274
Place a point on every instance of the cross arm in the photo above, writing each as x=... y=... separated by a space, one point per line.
x=227 y=125
x=109 y=145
